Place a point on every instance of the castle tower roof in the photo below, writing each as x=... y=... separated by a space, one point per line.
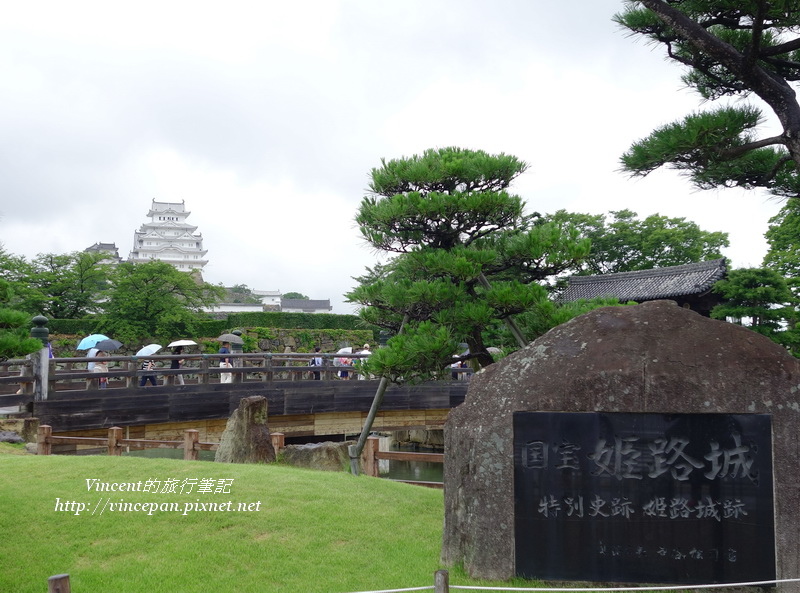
x=168 y=237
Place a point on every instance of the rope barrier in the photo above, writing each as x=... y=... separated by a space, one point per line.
x=397 y=590
x=657 y=588
x=600 y=590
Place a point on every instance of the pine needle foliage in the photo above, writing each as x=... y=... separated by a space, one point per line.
x=728 y=49
x=464 y=256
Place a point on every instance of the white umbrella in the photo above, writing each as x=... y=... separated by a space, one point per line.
x=177 y=343
x=231 y=339
x=149 y=349
x=340 y=361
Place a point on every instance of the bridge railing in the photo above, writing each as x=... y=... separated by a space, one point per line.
x=125 y=372
x=16 y=375
x=115 y=443
x=372 y=455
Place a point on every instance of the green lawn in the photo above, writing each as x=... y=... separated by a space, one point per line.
x=313 y=531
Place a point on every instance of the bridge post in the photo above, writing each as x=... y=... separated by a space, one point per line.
x=191 y=437
x=278 y=441
x=370 y=457
x=114 y=437
x=203 y=378
x=43 y=446
x=269 y=375
x=130 y=381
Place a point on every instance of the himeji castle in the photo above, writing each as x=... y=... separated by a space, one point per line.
x=167 y=237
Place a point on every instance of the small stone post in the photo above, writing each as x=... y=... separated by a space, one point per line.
x=58 y=583
x=441 y=581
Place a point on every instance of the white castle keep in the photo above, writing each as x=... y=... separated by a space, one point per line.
x=168 y=238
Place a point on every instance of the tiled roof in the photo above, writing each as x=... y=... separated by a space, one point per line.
x=648 y=285
x=102 y=247
x=307 y=304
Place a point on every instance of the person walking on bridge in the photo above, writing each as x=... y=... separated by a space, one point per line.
x=101 y=366
x=225 y=363
x=316 y=361
x=148 y=365
x=366 y=351
x=177 y=363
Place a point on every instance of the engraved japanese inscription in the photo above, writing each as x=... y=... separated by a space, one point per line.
x=649 y=498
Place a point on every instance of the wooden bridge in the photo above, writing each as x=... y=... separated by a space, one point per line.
x=64 y=394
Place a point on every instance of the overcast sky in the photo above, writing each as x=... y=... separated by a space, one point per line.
x=266 y=118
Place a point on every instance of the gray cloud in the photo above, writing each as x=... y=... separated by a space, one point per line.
x=267 y=118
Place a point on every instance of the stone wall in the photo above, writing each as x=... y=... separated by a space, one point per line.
x=24 y=427
x=649 y=358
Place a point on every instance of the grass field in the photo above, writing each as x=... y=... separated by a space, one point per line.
x=297 y=530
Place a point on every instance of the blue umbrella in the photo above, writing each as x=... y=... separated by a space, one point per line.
x=90 y=341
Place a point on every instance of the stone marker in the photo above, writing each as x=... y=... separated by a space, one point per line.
x=246 y=438
x=654 y=358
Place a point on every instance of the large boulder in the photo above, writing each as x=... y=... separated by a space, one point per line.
x=649 y=358
x=246 y=438
x=327 y=456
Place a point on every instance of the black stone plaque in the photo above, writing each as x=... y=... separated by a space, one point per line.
x=644 y=498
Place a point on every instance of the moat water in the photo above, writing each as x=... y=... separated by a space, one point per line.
x=418 y=471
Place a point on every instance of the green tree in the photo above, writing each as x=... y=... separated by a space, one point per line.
x=783 y=238
x=548 y=313
x=154 y=300
x=15 y=326
x=740 y=48
x=621 y=242
x=60 y=286
x=240 y=293
x=295 y=295
x=465 y=255
x=68 y=286
x=18 y=273
x=758 y=298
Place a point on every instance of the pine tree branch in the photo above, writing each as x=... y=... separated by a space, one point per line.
x=772 y=89
x=745 y=148
x=783 y=48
